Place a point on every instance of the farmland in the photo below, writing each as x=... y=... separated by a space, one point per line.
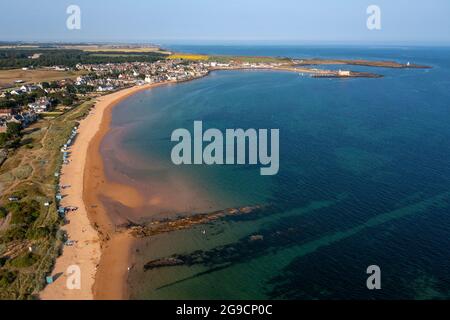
x=115 y=49
x=190 y=57
x=8 y=77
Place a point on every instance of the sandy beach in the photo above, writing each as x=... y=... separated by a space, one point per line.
x=101 y=254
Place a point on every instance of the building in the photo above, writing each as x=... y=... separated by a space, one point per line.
x=7 y=112
x=105 y=89
x=343 y=73
x=16 y=92
x=28 y=88
x=148 y=79
x=40 y=105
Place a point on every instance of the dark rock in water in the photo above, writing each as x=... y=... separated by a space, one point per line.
x=160 y=263
x=186 y=222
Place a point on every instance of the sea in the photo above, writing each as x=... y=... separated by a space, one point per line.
x=364 y=180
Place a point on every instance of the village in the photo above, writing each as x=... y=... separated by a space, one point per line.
x=28 y=102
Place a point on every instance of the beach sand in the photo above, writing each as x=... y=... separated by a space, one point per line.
x=100 y=252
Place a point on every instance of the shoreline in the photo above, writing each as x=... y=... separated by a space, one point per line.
x=101 y=252
x=90 y=226
x=116 y=247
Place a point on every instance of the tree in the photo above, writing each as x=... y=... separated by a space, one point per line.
x=24 y=261
x=3 y=139
x=13 y=129
x=67 y=101
x=54 y=85
x=45 y=85
x=7 y=103
x=71 y=89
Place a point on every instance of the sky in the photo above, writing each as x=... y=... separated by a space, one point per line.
x=283 y=21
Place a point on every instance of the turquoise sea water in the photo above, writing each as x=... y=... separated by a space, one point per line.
x=364 y=179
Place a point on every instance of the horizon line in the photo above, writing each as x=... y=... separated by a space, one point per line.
x=157 y=42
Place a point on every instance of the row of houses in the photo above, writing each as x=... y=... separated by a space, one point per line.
x=25 y=89
x=24 y=116
x=111 y=76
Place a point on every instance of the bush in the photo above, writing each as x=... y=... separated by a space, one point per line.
x=7 y=277
x=3 y=212
x=14 y=143
x=3 y=138
x=2 y=261
x=13 y=129
x=14 y=233
x=24 y=212
x=24 y=261
x=38 y=233
x=67 y=101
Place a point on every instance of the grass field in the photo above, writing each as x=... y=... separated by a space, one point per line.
x=109 y=54
x=8 y=77
x=19 y=47
x=28 y=173
x=226 y=59
x=51 y=114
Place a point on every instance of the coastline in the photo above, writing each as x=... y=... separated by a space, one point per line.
x=91 y=226
x=101 y=252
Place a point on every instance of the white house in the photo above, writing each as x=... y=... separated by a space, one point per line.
x=28 y=88
x=344 y=73
x=16 y=92
x=40 y=105
x=148 y=79
x=104 y=89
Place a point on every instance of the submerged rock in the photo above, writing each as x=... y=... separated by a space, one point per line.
x=160 y=263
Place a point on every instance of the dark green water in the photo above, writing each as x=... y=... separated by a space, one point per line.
x=364 y=179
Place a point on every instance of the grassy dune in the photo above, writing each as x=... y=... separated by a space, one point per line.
x=29 y=173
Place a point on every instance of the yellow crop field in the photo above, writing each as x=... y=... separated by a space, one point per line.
x=192 y=57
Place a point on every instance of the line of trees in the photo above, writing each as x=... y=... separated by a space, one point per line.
x=19 y=58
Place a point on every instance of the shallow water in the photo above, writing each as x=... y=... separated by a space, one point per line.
x=364 y=179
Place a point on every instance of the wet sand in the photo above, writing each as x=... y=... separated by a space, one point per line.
x=100 y=253
x=110 y=280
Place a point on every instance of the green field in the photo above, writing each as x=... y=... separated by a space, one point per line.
x=241 y=59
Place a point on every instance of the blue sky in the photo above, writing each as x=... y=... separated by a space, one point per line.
x=406 y=21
